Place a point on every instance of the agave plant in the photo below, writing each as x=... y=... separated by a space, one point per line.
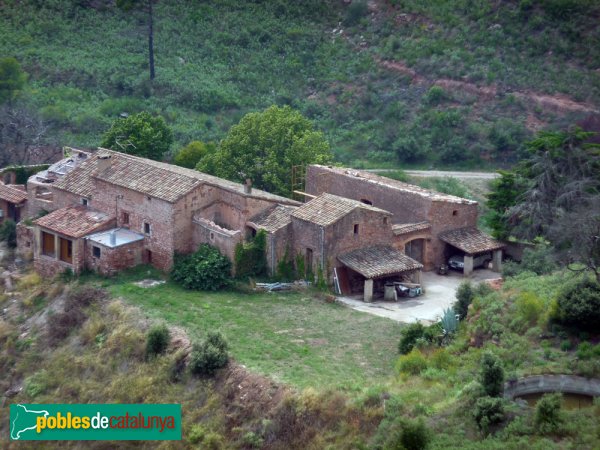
x=449 y=322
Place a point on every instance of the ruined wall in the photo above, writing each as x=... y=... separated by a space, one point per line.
x=25 y=241
x=207 y=232
x=141 y=209
x=112 y=260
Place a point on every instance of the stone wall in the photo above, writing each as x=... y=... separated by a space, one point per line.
x=112 y=260
x=327 y=243
x=405 y=207
x=49 y=267
x=141 y=210
x=25 y=241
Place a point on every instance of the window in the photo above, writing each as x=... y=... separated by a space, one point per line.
x=66 y=250
x=355 y=228
x=146 y=228
x=96 y=252
x=47 y=244
x=212 y=236
x=366 y=202
x=455 y=213
x=84 y=201
x=385 y=220
x=125 y=218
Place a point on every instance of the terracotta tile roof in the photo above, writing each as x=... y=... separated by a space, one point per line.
x=400 y=186
x=153 y=178
x=11 y=194
x=378 y=261
x=327 y=209
x=405 y=228
x=274 y=218
x=74 y=221
x=470 y=240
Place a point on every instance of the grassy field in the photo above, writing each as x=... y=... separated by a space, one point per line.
x=291 y=337
x=216 y=61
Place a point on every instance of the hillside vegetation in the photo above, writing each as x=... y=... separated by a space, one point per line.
x=400 y=82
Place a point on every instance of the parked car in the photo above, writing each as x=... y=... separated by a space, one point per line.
x=457 y=262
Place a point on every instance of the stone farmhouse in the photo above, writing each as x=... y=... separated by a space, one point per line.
x=107 y=211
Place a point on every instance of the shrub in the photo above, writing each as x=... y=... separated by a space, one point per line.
x=209 y=356
x=579 y=305
x=586 y=350
x=529 y=307
x=414 y=435
x=435 y=95
x=492 y=375
x=408 y=337
x=356 y=11
x=8 y=233
x=251 y=257
x=157 y=340
x=206 y=269
x=548 y=415
x=441 y=359
x=488 y=411
x=413 y=363
x=285 y=268
x=566 y=345
x=464 y=296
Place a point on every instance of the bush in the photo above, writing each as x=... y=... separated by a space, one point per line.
x=539 y=260
x=586 y=351
x=413 y=363
x=408 y=336
x=435 y=95
x=190 y=155
x=209 y=356
x=464 y=296
x=488 y=411
x=414 y=435
x=251 y=258
x=529 y=307
x=206 y=269
x=548 y=415
x=356 y=11
x=579 y=305
x=8 y=233
x=492 y=375
x=158 y=340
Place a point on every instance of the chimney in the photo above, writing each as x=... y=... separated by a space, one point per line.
x=113 y=238
x=104 y=161
x=248 y=186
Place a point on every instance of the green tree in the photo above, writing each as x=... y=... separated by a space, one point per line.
x=190 y=155
x=12 y=79
x=492 y=375
x=264 y=146
x=503 y=195
x=140 y=134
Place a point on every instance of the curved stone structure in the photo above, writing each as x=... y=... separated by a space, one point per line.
x=567 y=384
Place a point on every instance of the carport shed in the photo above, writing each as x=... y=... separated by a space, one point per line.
x=378 y=262
x=473 y=242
